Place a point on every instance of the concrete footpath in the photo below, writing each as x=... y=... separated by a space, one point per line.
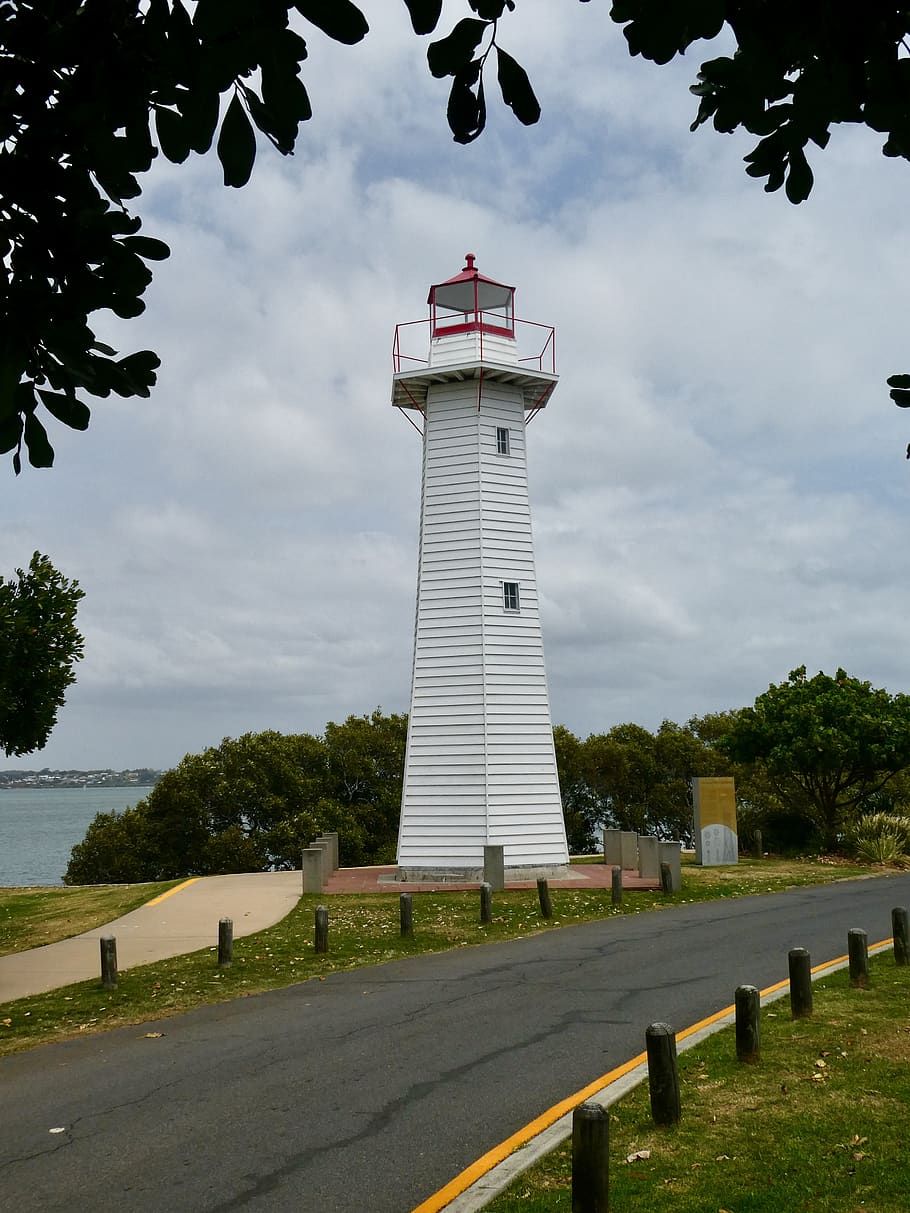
x=182 y=920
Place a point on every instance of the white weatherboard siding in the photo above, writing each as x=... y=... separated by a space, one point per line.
x=480 y=765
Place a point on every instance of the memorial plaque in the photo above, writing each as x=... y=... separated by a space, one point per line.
x=714 y=802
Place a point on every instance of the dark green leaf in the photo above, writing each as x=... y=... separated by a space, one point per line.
x=10 y=431
x=489 y=10
x=139 y=369
x=236 y=144
x=147 y=247
x=68 y=409
x=340 y=19
x=799 y=178
x=126 y=306
x=516 y=89
x=40 y=451
x=467 y=112
x=453 y=53
x=199 y=106
x=172 y=134
x=424 y=14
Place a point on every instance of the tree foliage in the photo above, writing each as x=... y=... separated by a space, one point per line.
x=827 y=743
x=93 y=90
x=253 y=802
x=39 y=646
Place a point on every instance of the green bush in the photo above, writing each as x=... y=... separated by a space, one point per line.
x=880 y=838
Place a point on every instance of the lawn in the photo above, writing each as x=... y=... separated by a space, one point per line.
x=817 y=1125
x=31 y=917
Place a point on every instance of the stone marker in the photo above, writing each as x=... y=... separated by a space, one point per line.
x=313 y=859
x=612 y=848
x=670 y=852
x=494 y=867
x=628 y=850
x=648 y=857
x=714 y=804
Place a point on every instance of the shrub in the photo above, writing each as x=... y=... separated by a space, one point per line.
x=880 y=838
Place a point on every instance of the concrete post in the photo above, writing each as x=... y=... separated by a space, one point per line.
x=900 y=929
x=748 y=1023
x=800 y=966
x=486 y=903
x=628 y=850
x=648 y=857
x=225 y=941
x=494 y=867
x=612 y=849
x=322 y=844
x=858 y=953
x=109 y=962
x=332 y=840
x=312 y=869
x=590 y=1159
x=663 y=1075
x=671 y=853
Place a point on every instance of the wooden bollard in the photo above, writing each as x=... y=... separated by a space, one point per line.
x=748 y=1023
x=225 y=942
x=858 y=955
x=406 y=915
x=322 y=928
x=616 y=887
x=666 y=878
x=109 y=962
x=900 y=929
x=800 y=966
x=590 y=1159
x=663 y=1074
x=486 y=902
x=759 y=852
x=543 y=896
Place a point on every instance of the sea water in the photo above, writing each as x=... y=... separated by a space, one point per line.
x=40 y=826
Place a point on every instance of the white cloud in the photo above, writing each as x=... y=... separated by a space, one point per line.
x=718 y=484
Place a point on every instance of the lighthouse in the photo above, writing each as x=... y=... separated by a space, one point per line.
x=480 y=766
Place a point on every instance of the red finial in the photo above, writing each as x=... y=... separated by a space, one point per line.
x=469 y=261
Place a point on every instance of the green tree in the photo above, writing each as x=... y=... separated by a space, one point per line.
x=94 y=90
x=253 y=802
x=39 y=646
x=580 y=807
x=641 y=779
x=827 y=743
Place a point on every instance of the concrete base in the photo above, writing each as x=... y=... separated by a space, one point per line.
x=557 y=871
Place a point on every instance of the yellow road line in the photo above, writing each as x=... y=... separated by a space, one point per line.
x=171 y=892
x=486 y=1162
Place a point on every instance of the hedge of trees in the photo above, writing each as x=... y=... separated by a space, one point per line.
x=811 y=759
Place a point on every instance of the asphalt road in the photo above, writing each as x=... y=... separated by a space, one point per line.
x=366 y=1092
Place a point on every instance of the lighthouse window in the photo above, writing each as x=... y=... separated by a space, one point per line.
x=502 y=442
x=510 y=600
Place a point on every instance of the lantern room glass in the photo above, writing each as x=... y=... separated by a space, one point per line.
x=470 y=302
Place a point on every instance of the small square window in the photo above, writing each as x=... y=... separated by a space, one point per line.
x=510 y=600
x=502 y=440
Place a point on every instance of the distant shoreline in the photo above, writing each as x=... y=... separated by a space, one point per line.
x=27 y=781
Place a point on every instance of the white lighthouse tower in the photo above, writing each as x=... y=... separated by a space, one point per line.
x=480 y=766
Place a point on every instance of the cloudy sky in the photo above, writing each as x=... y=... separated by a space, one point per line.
x=718 y=486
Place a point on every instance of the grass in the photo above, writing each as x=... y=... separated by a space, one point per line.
x=364 y=930
x=31 y=917
x=818 y=1125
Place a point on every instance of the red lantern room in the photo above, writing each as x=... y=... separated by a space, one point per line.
x=471 y=302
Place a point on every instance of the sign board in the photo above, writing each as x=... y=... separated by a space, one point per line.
x=714 y=802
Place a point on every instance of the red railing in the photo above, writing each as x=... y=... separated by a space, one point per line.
x=414 y=335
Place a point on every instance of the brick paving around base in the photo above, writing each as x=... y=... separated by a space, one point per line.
x=382 y=880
